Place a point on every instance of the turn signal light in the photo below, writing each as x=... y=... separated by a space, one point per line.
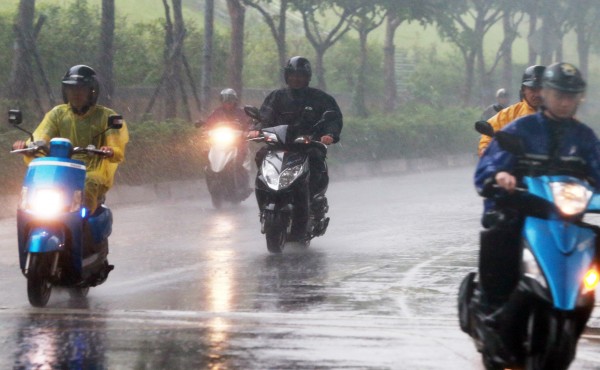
x=591 y=279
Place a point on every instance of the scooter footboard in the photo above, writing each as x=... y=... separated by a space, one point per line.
x=101 y=224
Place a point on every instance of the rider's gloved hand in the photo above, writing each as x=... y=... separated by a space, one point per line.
x=252 y=134
x=19 y=144
x=327 y=139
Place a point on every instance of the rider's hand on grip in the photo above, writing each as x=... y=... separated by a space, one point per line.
x=326 y=139
x=253 y=134
x=108 y=151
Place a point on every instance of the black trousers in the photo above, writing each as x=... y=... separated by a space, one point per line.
x=500 y=257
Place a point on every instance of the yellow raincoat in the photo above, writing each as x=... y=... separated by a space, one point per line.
x=503 y=118
x=81 y=130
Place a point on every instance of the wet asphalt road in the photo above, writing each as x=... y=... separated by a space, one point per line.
x=196 y=288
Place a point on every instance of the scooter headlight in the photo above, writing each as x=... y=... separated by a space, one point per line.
x=47 y=203
x=289 y=175
x=223 y=136
x=276 y=180
x=570 y=198
x=532 y=269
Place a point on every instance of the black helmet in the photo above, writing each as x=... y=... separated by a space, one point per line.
x=564 y=77
x=228 y=95
x=532 y=77
x=297 y=64
x=82 y=75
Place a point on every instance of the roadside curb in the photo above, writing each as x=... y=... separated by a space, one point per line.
x=185 y=189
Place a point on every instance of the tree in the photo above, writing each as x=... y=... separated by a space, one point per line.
x=207 y=52
x=365 y=19
x=235 y=64
x=107 y=52
x=276 y=23
x=555 y=15
x=21 y=72
x=397 y=12
x=321 y=40
x=585 y=18
x=465 y=24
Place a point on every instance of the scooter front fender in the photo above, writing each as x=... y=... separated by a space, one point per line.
x=42 y=240
x=218 y=157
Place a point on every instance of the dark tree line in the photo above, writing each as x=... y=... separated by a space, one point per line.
x=464 y=23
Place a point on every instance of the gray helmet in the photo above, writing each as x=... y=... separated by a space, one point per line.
x=229 y=95
x=501 y=93
x=564 y=77
x=532 y=77
x=82 y=75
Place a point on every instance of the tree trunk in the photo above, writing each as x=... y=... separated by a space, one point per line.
x=389 y=64
x=281 y=39
x=207 y=51
x=235 y=63
x=507 y=68
x=320 y=69
x=106 y=56
x=532 y=48
x=360 y=106
x=179 y=35
x=169 y=80
x=20 y=77
x=469 y=77
x=583 y=50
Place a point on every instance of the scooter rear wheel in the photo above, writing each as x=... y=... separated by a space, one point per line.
x=39 y=286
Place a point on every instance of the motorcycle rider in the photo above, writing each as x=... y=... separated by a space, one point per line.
x=230 y=111
x=501 y=102
x=301 y=107
x=531 y=85
x=81 y=121
x=553 y=134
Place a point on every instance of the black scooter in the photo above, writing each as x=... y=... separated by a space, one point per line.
x=287 y=211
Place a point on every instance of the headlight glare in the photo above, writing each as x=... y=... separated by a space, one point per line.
x=224 y=136
x=47 y=203
x=570 y=198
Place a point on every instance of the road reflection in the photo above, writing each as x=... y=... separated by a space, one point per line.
x=291 y=281
x=43 y=342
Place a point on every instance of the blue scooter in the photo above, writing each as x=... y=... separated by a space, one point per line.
x=60 y=243
x=541 y=322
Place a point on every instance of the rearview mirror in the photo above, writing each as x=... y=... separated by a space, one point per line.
x=115 y=121
x=252 y=112
x=484 y=128
x=329 y=115
x=15 y=117
x=510 y=143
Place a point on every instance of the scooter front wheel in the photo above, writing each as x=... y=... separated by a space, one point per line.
x=39 y=286
x=551 y=341
x=275 y=231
